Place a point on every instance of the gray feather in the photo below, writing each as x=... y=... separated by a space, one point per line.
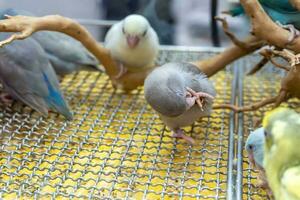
x=23 y=65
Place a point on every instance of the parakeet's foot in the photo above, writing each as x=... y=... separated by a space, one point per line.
x=294 y=32
x=180 y=134
x=198 y=97
x=122 y=70
x=6 y=98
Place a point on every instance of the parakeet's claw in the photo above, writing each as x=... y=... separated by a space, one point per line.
x=6 y=98
x=180 y=134
x=199 y=97
x=294 y=32
x=122 y=70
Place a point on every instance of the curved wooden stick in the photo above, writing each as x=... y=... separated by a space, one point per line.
x=27 y=25
x=226 y=106
x=262 y=26
x=258 y=105
x=258 y=66
x=295 y=3
x=212 y=65
x=234 y=39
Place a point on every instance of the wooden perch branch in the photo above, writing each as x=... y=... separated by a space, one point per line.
x=295 y=3
x=216 y=63
x=27 y=25
x=262 y=26
x=290 y=84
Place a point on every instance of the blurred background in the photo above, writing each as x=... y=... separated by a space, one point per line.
x=177 y=22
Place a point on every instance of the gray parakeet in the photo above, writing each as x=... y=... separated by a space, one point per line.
x=282 y=154
x=133 y=44
x=27 y=75
x=66 y=54
x=181 y=94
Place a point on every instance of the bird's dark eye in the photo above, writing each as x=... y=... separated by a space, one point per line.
x=250 y=147
x=266 y=133
x=145 y=32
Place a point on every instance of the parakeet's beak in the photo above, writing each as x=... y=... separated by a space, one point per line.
x=251 y=159
x=132 y=41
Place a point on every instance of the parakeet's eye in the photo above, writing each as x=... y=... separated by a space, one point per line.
x=251 y=147
x=266 y=134
x=145 y=32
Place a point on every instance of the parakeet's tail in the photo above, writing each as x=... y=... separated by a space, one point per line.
x=99 y=68
x=61 y=107
x=56 y=102
x=236 y=11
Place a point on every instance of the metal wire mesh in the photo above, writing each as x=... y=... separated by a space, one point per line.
x=116 y=147
x=265 y=83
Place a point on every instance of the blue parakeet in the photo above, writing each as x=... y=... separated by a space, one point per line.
x=282 y=154
x=255 y=149
x=27 y=75
x=66 y=54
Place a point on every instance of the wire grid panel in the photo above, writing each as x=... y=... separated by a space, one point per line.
x=116 y=147
x=265 y=83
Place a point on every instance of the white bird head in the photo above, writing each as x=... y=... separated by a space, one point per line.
x=135 y=28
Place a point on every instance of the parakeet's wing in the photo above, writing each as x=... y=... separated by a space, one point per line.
x=111 y=35
x=27 y=74
x=65 y=48
x=290 y=183
x=65 y=53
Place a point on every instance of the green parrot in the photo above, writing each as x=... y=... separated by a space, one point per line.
x=282 y=153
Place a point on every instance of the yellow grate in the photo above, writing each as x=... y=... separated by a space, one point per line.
x=264 y=84
x=116 y=147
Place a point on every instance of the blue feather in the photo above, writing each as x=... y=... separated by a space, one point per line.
x=278 y=10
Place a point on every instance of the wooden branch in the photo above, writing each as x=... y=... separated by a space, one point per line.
x=226 y=106
x=295 y=3
x=27 y=25
x=258 y=105
x=258 y=66
x=262 y=26
x=212 y=65
x=234 y=39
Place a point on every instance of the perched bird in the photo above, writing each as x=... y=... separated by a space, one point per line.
x=255 y=149
x=281 y=155
x=133 y=44
x=174 y=90
x=27 y=75
x=66 y=54
x=280 y=11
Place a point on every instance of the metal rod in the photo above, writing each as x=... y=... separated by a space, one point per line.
x=231 y=146
x=214 y=26
x=240 y=139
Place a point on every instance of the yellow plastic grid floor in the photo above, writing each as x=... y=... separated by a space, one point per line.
x=116 y=147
